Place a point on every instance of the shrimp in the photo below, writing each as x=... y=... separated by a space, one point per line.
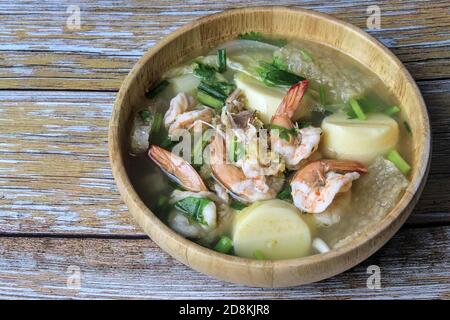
x=181 y=171
x=181 y=116
x=234 y=180
x=178 y=105
x=303 y=142
x=315 y=185
x=177 y=168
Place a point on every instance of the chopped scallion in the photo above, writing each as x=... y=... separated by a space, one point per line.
x=399 y=162
x=236 y=205
x=145 y=116
x=208 y=100
x=156 y=124
x=259 y=255
x=222 y=60
x=407 y=127
x=156 y=89
x=322 y=95
x=390 y=111
x=213 y=92
x=224 y=245
x=357 y=109
x=285 y=193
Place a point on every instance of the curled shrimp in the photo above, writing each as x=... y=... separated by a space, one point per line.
x=304 y=142
x=177 y=168
x=234 y=180
x=180 y=116
x=315 y=185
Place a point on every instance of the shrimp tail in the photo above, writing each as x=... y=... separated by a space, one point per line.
x=292 y=99
x=343 y=166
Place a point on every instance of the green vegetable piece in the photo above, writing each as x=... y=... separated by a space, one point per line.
x=199 y=146
x=391 y=110
x=257 y=36
x=156 y=89
x=167 y=143
x=222 y=60
x=357 y=109
x=237 y=205
x=407 y=127
x=204 y=71
x=259 y=255
x=224 y=245
x=271 y=75
x=283 y=133
x=193 y=207
x=285 y=193
x=208 y=100
x=145 y=116
x=322 y=95
x=399 y=162
x=156 y=124
x=213 y=91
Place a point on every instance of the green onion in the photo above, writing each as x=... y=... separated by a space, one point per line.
x=257 y=36
x=204 y=71
x=407 y=127
x=357 y=109
x=390 y=111
x=399 y=162
x=163 y=203
x=271 y=75
x=156 y=89
x=222 y=60
x=283 y=132
x=212 y=91
x=145 y=116
x=235 y=149
x=259 y=255
x=208 y=100
x=237 y=205
x=322 y=95
x=167 y=143
x=285 y=193
x=193 y=207
x=156 y=124
x=224 y=245
x=200 y=146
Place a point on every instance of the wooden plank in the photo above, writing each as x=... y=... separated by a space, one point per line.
x=37 y=51
x=55 y=176
x=55 y=170
x=414 y=264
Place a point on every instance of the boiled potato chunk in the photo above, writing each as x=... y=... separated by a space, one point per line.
x=266 y=99
x=360 y=140
x=275 y=228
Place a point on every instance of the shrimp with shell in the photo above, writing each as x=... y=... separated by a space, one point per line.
x=233 y=178
x=293 y=144
x=315 y=186
x=181 y=114
x=187 y=177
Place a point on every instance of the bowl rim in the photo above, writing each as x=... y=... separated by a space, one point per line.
x=415 y=186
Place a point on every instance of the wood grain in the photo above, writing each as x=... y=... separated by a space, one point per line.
x=414 y=264
x=57 y=181
x=37 y=51
x=55 y=176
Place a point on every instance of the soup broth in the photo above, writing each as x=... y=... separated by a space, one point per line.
x=314 y=148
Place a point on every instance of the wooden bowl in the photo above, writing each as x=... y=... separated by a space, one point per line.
x=212 y=30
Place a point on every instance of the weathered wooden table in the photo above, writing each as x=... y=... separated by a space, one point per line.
x=61 y=218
